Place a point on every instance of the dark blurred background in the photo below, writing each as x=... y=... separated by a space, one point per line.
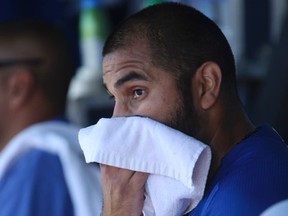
x=256 y=29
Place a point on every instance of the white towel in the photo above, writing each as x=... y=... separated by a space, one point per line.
x=178 y=163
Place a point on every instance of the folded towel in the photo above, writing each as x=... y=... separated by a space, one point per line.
x=178 y=163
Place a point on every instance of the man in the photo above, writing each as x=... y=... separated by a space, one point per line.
x=171 y=63
x=42 y=168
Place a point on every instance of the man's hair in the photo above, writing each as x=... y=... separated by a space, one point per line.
x=180 y=39
x=55 y=66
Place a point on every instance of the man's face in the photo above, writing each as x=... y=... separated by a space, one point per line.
x=140 y=88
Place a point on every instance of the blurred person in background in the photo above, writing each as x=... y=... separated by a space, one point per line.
x=42 y=168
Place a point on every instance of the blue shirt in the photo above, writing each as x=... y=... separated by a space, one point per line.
x=35 y=186
x=252 y=177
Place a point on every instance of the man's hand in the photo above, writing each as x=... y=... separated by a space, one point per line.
x=123 y=191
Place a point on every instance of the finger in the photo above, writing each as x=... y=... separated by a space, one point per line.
x=117 y=174
x=138 y=180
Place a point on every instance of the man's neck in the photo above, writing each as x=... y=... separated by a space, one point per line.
x=227 y=135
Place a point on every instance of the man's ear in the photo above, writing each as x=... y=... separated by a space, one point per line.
x=207 y=81
x=21 y=88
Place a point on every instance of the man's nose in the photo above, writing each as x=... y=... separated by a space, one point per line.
x=121 y=109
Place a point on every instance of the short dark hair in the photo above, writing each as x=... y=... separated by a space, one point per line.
x=180 y=39
x=57 y=62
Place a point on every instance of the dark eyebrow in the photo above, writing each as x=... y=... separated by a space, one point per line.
x=128 y=77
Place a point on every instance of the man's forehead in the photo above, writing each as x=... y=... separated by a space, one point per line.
x=121 y=57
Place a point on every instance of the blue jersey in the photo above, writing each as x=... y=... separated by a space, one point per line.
x=35 y=186
x=252 y=177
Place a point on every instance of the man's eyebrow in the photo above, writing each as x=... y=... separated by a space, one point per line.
x=128 y=77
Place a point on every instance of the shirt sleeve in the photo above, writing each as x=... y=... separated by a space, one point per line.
x=35 y=186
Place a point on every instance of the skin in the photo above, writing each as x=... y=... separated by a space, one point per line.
x=22 y=103
x=140 y=88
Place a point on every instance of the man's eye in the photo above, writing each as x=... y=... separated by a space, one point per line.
x=138 y=93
